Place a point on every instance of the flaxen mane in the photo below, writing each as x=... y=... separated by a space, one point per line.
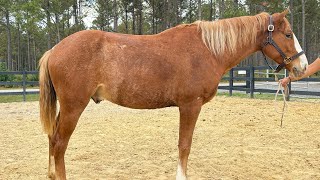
x=225 y=35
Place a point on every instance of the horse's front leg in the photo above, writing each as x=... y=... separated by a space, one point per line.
x=188 y=117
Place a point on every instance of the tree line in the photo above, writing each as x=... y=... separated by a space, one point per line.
x=30 y=27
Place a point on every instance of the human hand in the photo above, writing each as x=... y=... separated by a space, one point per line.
x=285 y=81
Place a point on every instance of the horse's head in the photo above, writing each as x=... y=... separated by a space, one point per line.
x=282 y=46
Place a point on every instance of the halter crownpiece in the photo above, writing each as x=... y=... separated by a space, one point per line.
x=286 y=60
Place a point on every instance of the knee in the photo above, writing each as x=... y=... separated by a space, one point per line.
x=184 y=146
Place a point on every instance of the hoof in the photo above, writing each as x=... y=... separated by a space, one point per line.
x=51 y=176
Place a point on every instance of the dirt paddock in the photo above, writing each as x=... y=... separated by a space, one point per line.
x=234 y=139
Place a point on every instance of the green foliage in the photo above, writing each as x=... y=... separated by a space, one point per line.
x=3 y=68
x=18 y=98
x=33 y=77
x=16 y=78
x=37 y=25
x=233 y=10
x=105 y=12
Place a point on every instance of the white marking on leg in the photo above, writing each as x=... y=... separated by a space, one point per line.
x=180 y=174
x=51 y=170
x=302 y=58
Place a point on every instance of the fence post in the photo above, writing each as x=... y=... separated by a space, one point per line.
x=24 y=78
x=289 y=86
x=248 y=81
x=230 y=81
x=251 y=81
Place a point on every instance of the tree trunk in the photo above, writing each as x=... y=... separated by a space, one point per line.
x=58 y=28
x=168 y=14
x=291 y=13
x=153 y=17
x=190 y=11
x=63 y=26
x=235 y=3
x=106 y=25
x=176 y=12
x=164 y=13
x=126 y=17
x=28 y=51
x=221 y=9
x=303 y=25
x=75 y=12
x=80 y=11
x=140 y=26
x=115 y=20
x=34 y=55
x=9 y=50
x=133 y=18
x=48 y=24
x=68 y=22
x=199 y=9
x=214 y=10
x=19 y=64
x=211 y=11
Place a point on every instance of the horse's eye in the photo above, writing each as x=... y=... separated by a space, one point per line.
x=289 y=36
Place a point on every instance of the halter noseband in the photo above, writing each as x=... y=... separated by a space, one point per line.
x=286 y=59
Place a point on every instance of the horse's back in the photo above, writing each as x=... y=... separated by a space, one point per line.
x=111 y=66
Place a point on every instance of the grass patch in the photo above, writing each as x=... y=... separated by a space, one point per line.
x=268 y=96
x=18 y=98
x=256 y=95
x=18 y=87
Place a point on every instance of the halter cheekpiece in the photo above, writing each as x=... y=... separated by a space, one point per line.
x=270 y=41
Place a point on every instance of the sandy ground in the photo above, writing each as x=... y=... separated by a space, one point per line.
x=234 y=139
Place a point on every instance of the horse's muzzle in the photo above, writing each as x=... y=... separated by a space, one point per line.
x=298 y=73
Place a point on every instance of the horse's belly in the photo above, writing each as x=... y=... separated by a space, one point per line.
x=147 y=105
x=140 y=102
x=137 y=99
x=144 y=100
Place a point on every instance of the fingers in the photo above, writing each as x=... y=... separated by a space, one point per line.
x=284 y=82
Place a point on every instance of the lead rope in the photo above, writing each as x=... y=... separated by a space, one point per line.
x=284 y=92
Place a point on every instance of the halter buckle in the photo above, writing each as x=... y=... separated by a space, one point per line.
x=271 y=27
x=287 y=60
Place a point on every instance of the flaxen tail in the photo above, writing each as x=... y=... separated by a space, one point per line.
x=48 y=98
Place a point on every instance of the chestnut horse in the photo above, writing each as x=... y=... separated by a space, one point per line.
x=181 y=66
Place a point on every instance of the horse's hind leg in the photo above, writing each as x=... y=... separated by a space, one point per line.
x=188 y=117
x=70 y=112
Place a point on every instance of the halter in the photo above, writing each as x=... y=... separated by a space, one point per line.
x=270 y=41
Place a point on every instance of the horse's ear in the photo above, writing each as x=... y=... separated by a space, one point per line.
x=279 y=17
x=288 y=9
x=285 y=12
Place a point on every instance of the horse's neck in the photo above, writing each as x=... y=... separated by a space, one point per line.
x=233 y=59
x=190 y=36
